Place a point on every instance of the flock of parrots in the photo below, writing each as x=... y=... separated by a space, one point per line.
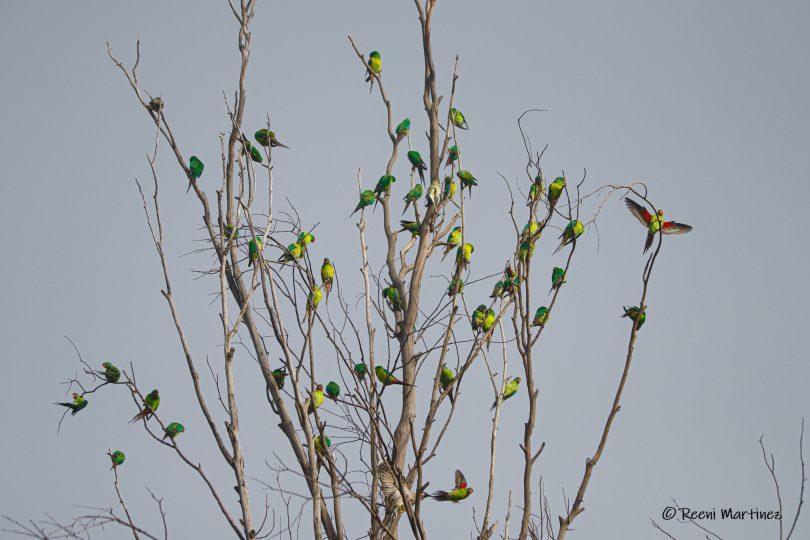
x=482 y=318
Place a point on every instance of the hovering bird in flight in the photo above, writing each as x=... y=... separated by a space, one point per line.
x=654 y=223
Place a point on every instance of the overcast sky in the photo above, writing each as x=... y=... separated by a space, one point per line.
x=706 y=102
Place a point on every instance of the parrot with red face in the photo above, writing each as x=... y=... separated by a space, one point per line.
x=654 y=222
x=459 y=492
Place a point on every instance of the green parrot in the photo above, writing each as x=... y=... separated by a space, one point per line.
x=254 y=247
x=510 y=285
x=367 y=198
x=509 y=390
x=195 y=166
x=412 y=196
x=526 y=250
x=463 y=254
x=403 y=129
x=449 y=187
x=459 y=493
x=317 y=400
x=497 y=291
x=489 y=320
x=173 y=430
x=320 y=448
x=383 y=185
x=305 y=238
x=315 y=297
x=391 y=294
x=540 y=316
x=530 y=231
x=117 y=459
x=410 y=226
x=453 y=241
x=327 y=275
x=555 y=190
x=633 y=313
x=458 y=119
x=446 y=378
x=456 y=286
x=536 y=191
x=360 y=370
x=509 y=271
x=248 y=148
x=654 y=222
x=333 y=390
x=231 y=231
x=292 y=253
x=467 y=179
x=557 y=278
x=265 y=137
x=417 y=163
x=478 y=316
x=386 y=378
x=279 y=375
x=374 y=65
x=452 y=155
x=111 y=373
x=151 y=404
x=76 y=405
x=573 y=230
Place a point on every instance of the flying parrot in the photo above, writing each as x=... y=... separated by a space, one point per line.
x=403 y=128
x=292 y=253
x=446 y=378
x=254 y=247
x=333 y=390
x=417 y=163
x=458 y=119
x=391 y=294
x=453 y=241
x=305 y=238
x=536 y=191
x=383 y=185
x=654 y=223
x=449 y=187
x=76 y=405
x=327 y=275
x=509 y=390
x=540 y=316
x=463 y=254
x=195 y=166
x=467 y=179
x=386 y=378
x=111 y=373
x=555 y=190
x=151 y=403
x=412 y=196
x=279 y=375
x=459 y=493
x=117 y=459
x=410 y=226
x=173 y=430
x=265 y=137
x=557 y=277
x=367 y=198
x=452 y=155
x=573 y=230
x=632 y=312
x=478 y=316
x=360 y=370
x=317 y=400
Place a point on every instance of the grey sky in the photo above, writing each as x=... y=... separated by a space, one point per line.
x=707 y=102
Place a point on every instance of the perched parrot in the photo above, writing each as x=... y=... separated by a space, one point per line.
x=509 y=390
x=383 y=185
x=526 y=250
x=231 y=231
x=453 y=241
x=497 y=290
x=394 y=488
x=467 y=179
x=196 y=166
x=557 y=277
x=509 y=271
x=254 y=247
x=327 y=275
x=156 y=104
x=386 y=378
x=654 y=223
x=446 y=378
x=320 y=448
x=417 y=163
x=248 y=148
x=76 y=405
x=391 y=294
x=452 y=155
x=540 y=316
x=111 y=373
x=458 y=119
x=305 y=238
x=374 y=65
x=360 y=370
x=412 y=196
x=573 y=230
x=265 y=137
x=510 y=285
x=317 y=400
x=536 y=191
x=403 y=129
x=315 y=297
x=367 y=198
x=463 y=254
x=280 y=375
x=489 y=320
x=333 y=390
x=555 y=190
x=410 y=226
x=117 y=458
x=633 y=313
x=478 y=316
x=292 y=253
x=530 y=230
x=173 y=430
x=456 y=286
x=459 y=493
x=151 y=403
x=449 y=188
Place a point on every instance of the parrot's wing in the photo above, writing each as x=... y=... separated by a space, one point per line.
x=391 y=488
x=461 y=482
x=673 y=227
x=641 y=213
